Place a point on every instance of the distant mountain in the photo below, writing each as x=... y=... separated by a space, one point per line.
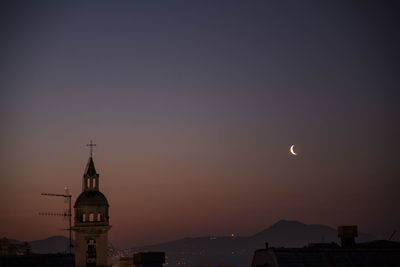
x=14 y=241
x=238 y=251
x=54 y=244
x=296 y=234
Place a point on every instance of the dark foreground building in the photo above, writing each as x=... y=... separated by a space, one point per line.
x=149 y=259
x=19 y=255
x=8 y=248
x=38 y=260
x=324 y=257
x=143 y=259
x=375 y=253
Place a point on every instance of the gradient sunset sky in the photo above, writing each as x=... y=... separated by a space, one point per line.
x=193 y=106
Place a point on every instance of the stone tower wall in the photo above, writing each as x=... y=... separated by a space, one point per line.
x=85 y=233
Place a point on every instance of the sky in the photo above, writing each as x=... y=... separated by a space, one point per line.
x=193 y=106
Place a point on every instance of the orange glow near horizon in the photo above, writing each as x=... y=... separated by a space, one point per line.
x=193 y=107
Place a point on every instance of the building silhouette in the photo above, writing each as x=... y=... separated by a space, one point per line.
x=7 y=248
x=91 y=221
x=349 y=254
x=149 y=259
x=143 y=259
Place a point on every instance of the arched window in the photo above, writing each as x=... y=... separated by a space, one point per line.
x=88 y=183
x=91 y=217
x=91 y=250
x=99 y=217
x=94 y=183
x=83 y=217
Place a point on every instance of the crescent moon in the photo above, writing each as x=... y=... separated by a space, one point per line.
x=292 y=150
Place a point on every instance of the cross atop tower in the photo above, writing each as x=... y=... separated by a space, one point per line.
x=91 y=145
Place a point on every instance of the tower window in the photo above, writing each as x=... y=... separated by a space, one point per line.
x=99 y=217
x=91 y=252
x=91 y=217
x=83 y=217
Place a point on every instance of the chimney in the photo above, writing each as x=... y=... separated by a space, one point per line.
x=347 y=235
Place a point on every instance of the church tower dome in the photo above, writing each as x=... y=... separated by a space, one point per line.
x=91 y=202
x=91 y=220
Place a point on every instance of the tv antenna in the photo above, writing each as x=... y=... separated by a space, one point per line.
x=392 y=235
x=65 y=214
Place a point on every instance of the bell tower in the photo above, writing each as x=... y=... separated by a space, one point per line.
x=91 y=220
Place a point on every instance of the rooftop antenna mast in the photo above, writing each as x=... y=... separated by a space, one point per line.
x=392 y=235
x=65 y=214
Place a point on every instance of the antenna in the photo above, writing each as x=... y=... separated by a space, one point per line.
x=65 y=214
x=66 y=190
x=392 y=235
